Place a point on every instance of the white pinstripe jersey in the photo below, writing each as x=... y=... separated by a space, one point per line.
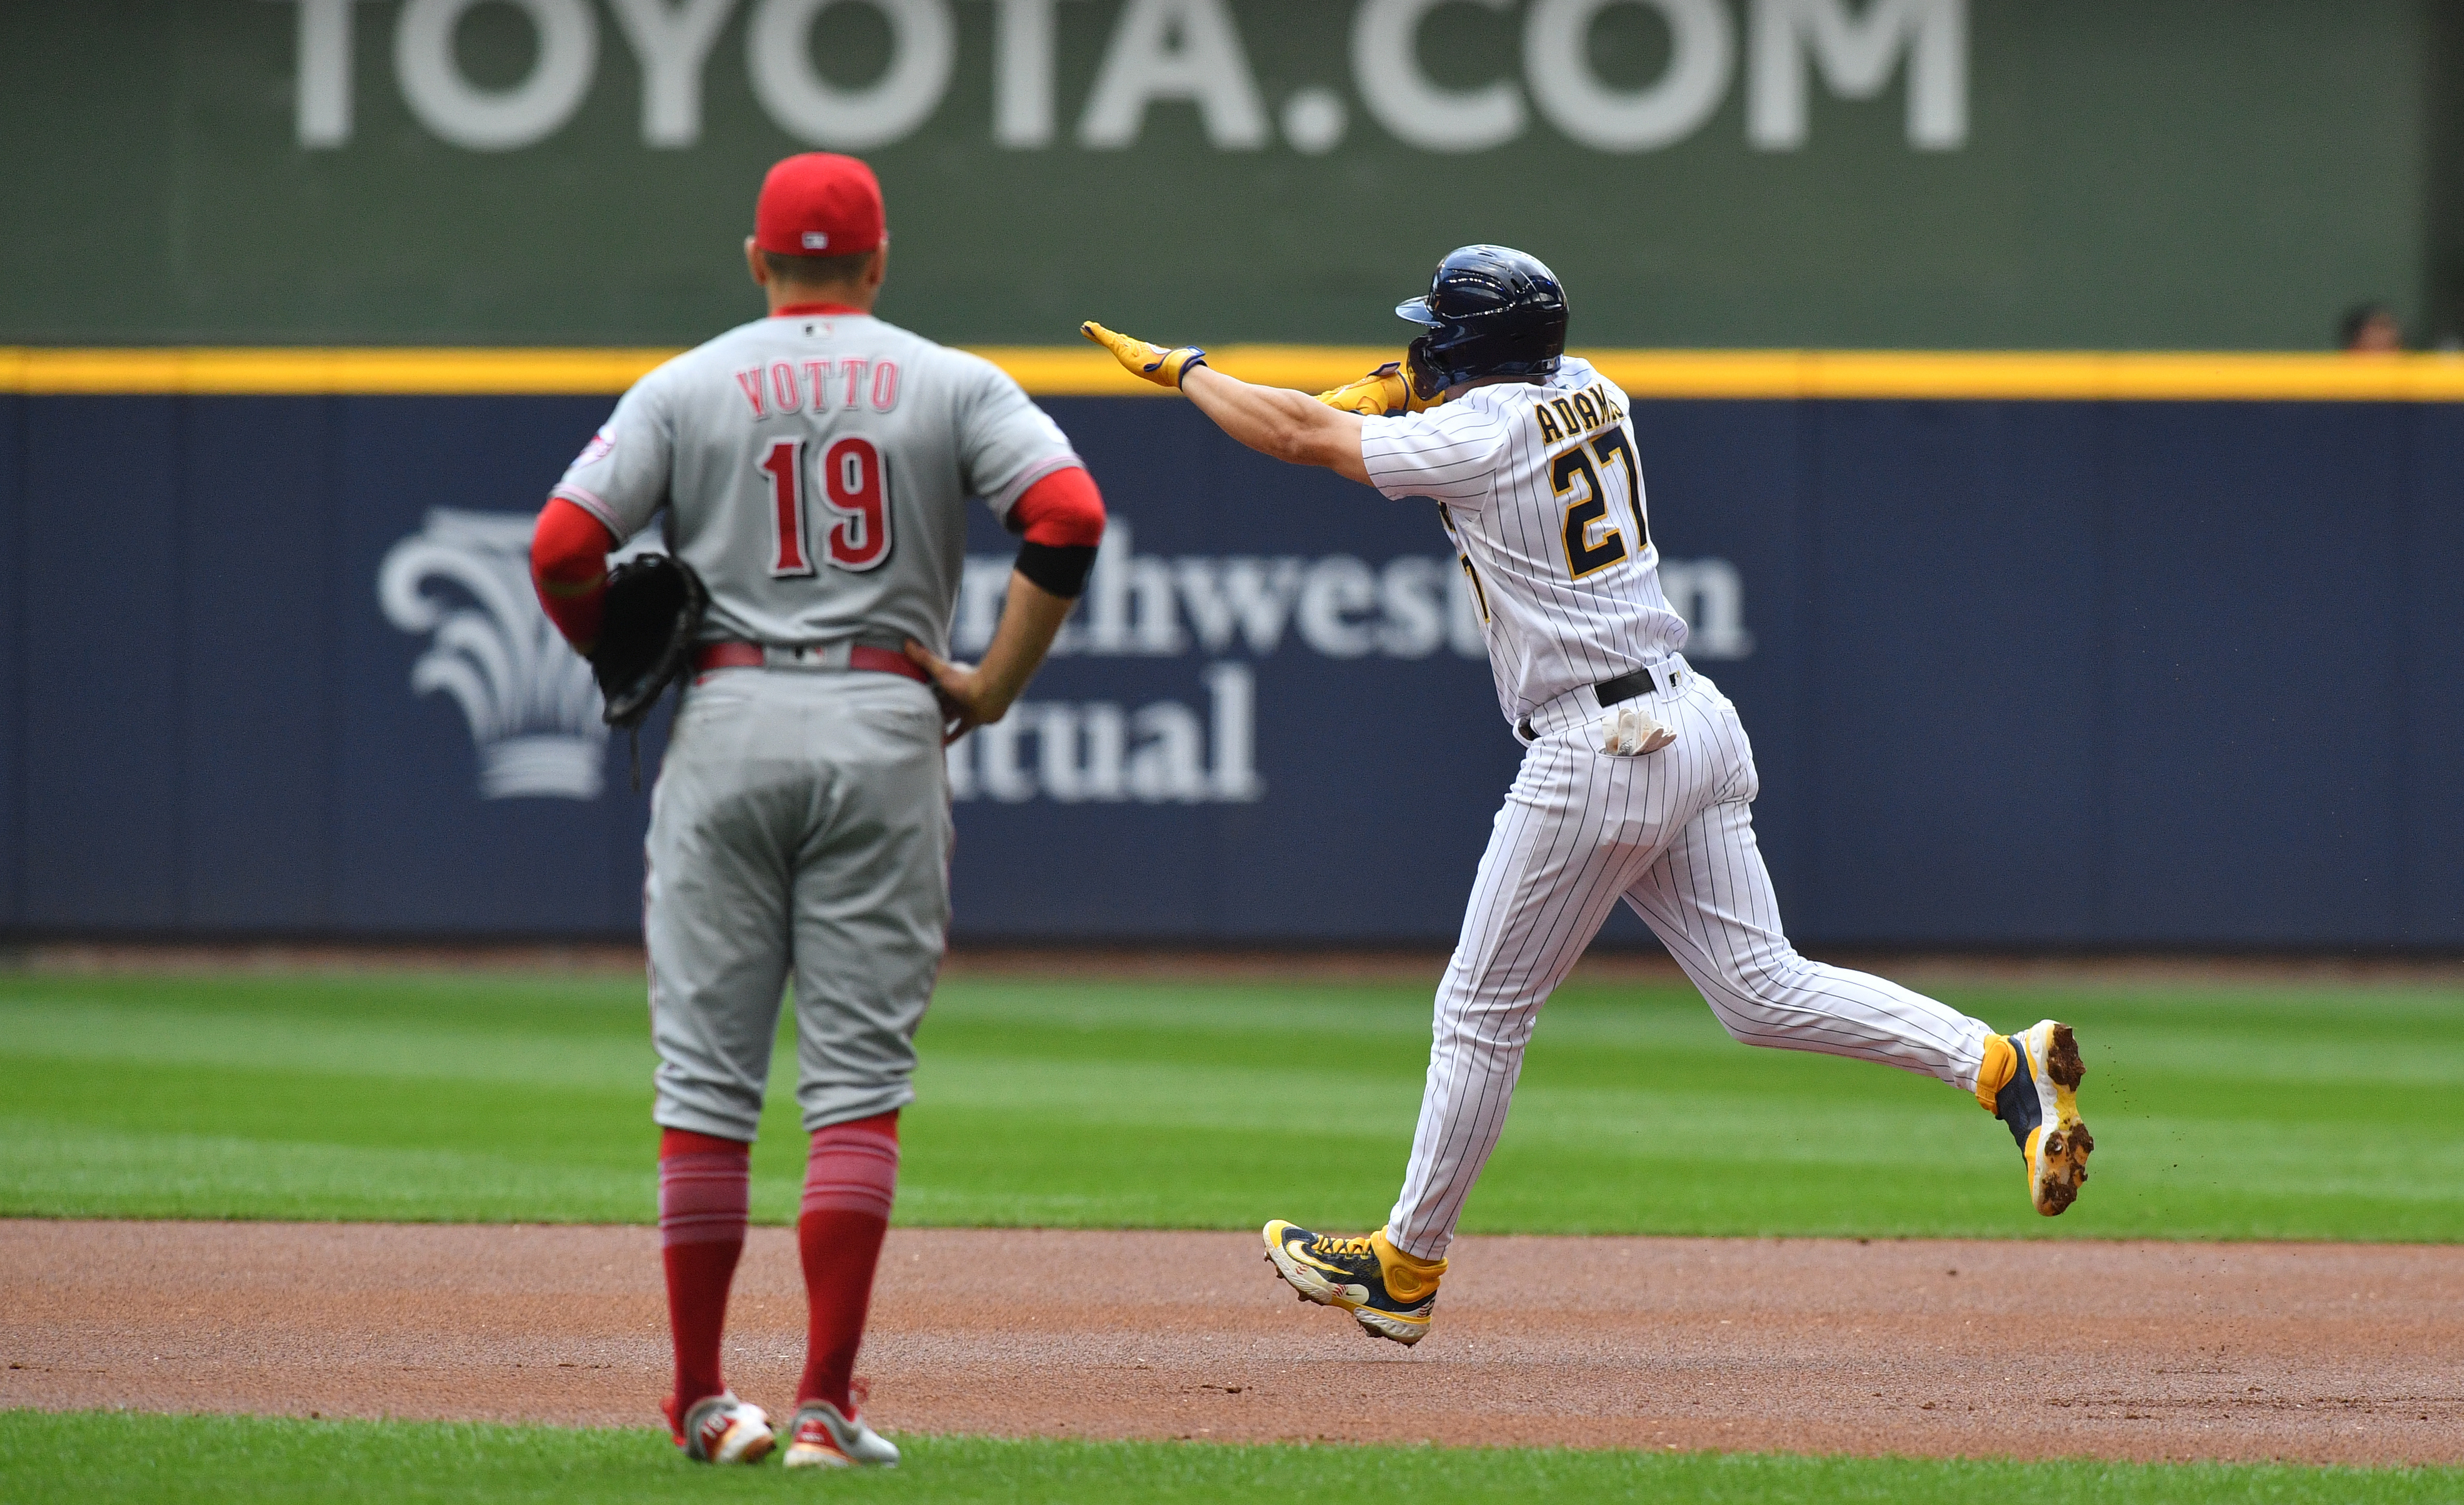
x=816 y=469
x=1541 y=484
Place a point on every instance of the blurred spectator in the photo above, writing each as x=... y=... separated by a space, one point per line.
x=2370 y=328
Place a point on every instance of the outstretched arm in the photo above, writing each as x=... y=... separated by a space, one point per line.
x=1288 y=424
x=1277 y=421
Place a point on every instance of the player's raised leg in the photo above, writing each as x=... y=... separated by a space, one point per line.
x=1708 y=897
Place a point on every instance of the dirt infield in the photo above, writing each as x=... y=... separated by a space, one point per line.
x=2317 y=1353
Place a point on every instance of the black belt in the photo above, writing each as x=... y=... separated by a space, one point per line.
x=1625 y=686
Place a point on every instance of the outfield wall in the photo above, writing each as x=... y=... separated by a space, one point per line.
x=2032 y=670
x=1974 y=173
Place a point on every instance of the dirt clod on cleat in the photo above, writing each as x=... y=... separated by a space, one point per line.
x=2062 y=1060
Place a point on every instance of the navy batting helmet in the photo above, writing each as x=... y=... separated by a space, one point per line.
x=1490 y=311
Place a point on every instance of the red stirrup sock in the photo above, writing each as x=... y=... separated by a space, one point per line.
x=705 y=1190
x=848 y=1184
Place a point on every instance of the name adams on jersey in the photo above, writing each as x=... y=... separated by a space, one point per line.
x=1541 y=484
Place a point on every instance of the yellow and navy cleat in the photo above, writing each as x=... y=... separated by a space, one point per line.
x=2031 y=1082
x=1388 y=1292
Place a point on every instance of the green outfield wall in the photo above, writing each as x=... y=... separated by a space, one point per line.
x=1978 y=174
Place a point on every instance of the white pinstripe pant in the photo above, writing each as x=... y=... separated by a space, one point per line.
x=1672 y=835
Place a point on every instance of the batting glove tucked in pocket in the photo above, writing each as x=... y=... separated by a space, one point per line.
x=1631 y=731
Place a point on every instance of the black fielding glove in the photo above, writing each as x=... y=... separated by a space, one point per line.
x=653 y=608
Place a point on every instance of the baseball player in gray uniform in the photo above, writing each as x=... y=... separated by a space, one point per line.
x=1636 y=781
x=814 y=468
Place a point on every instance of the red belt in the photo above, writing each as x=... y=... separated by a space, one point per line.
x=751 y=656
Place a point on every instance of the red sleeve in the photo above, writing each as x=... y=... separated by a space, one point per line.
x=1062 y=511
x=569 y=569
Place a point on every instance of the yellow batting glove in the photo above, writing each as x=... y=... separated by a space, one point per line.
x=1149 y=362
x=1383 y=393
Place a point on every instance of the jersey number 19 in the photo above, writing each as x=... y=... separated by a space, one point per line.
x=855 y=489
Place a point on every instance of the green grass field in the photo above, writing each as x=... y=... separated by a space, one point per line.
x=212 y=1459
x=2219 y=1112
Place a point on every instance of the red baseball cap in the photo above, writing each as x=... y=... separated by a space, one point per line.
x=819 y=203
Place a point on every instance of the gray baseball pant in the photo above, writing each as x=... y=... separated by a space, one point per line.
x=799 y=832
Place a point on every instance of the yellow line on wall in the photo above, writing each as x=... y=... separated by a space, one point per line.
x=1076 y=371
x=321 y=372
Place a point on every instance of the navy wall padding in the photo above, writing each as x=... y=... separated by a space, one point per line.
x=103 y=588
x=2017 y=674
x=12 y=662
x=259 y=725
x=2430 y=736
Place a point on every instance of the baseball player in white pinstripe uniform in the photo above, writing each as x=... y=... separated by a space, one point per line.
x=1636 y=781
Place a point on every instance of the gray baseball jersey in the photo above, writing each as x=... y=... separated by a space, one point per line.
x=1541 y=484
x=817 y=468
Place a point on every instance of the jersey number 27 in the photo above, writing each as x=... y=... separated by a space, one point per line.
x=856 y=491
x=1586 y=555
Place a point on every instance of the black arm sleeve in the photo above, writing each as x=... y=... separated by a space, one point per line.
x=1058 y=568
